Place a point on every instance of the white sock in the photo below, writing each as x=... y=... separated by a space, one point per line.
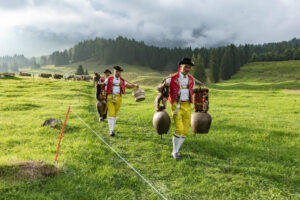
x=111 y=123
x=175 y=142
x=180 y=142
x=115 y=121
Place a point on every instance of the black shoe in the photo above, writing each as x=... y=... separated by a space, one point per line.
x=101 y=119
x=176 y=156
x=112 y=133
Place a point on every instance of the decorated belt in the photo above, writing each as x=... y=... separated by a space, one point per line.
x=184 y=87
x=116 y=84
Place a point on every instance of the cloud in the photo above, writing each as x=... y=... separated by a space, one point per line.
x=36 y=27
x=13 y=4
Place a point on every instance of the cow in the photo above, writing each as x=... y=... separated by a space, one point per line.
x=69 y=77
x=58 y=76
x=24 y=74
x=45 y=75
x=8 y=74
x=77 y=78
x=82 y=78
x=86 y=78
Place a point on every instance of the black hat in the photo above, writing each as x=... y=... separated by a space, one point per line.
x=186 y=61
x=118 y=68
x=107 y=71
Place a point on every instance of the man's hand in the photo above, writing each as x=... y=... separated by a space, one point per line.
x=199 y=82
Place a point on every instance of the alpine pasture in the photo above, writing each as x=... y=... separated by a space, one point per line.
x=251 y=152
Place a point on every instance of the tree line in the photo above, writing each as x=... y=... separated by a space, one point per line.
x=13 y=63
x=221 y=62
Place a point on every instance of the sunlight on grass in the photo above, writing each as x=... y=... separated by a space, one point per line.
x=251 y=152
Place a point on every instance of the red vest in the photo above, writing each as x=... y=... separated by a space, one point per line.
x=102 y=79
x=175 y=87
x=110 y=85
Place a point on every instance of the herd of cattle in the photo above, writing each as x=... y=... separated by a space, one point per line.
x=55 y=76
x=58 y=76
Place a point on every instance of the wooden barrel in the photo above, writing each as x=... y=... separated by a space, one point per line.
x=139 y=95
x=200 y=122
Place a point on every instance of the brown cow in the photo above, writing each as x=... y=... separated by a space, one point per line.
x=24 y=74
x=58 y=76
x=8 y=74
x=45 y=75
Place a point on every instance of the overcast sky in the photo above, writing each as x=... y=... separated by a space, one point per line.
x=38 y=27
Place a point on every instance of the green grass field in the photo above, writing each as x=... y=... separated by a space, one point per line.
x=251 y=152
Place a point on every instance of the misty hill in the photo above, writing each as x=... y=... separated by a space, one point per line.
x=223 y=61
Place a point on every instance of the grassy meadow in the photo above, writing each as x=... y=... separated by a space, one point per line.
x=251 y=152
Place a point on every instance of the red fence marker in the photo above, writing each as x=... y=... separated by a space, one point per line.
x=61 y=134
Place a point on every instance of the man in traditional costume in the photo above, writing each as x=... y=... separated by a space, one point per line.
x=101 y=97
x=114 y=87
x=181 y=86
x=107 y=73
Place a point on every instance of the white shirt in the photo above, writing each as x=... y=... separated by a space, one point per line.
x=115 y=89
x=183 y=81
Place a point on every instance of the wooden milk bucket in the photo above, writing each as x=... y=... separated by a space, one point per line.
x=139 y=95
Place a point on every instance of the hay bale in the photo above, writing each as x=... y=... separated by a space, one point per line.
x=28 y=170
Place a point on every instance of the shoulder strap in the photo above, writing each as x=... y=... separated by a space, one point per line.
x=170 y=76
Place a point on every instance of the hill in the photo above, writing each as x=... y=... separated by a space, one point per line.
x=277 y=75
x=269 y=72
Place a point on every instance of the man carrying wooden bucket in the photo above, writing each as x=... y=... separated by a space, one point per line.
x=181 y=86
x=101 y=103
x=115 y=86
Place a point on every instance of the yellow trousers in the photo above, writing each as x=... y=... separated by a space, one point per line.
x=183 y=118
x=113 y=105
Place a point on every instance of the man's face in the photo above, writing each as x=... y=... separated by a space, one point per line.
x=117 y=73
x=185 y=68
x=106 y=74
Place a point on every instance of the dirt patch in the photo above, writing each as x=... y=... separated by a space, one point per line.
x=292 y=91
x=28 y=170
